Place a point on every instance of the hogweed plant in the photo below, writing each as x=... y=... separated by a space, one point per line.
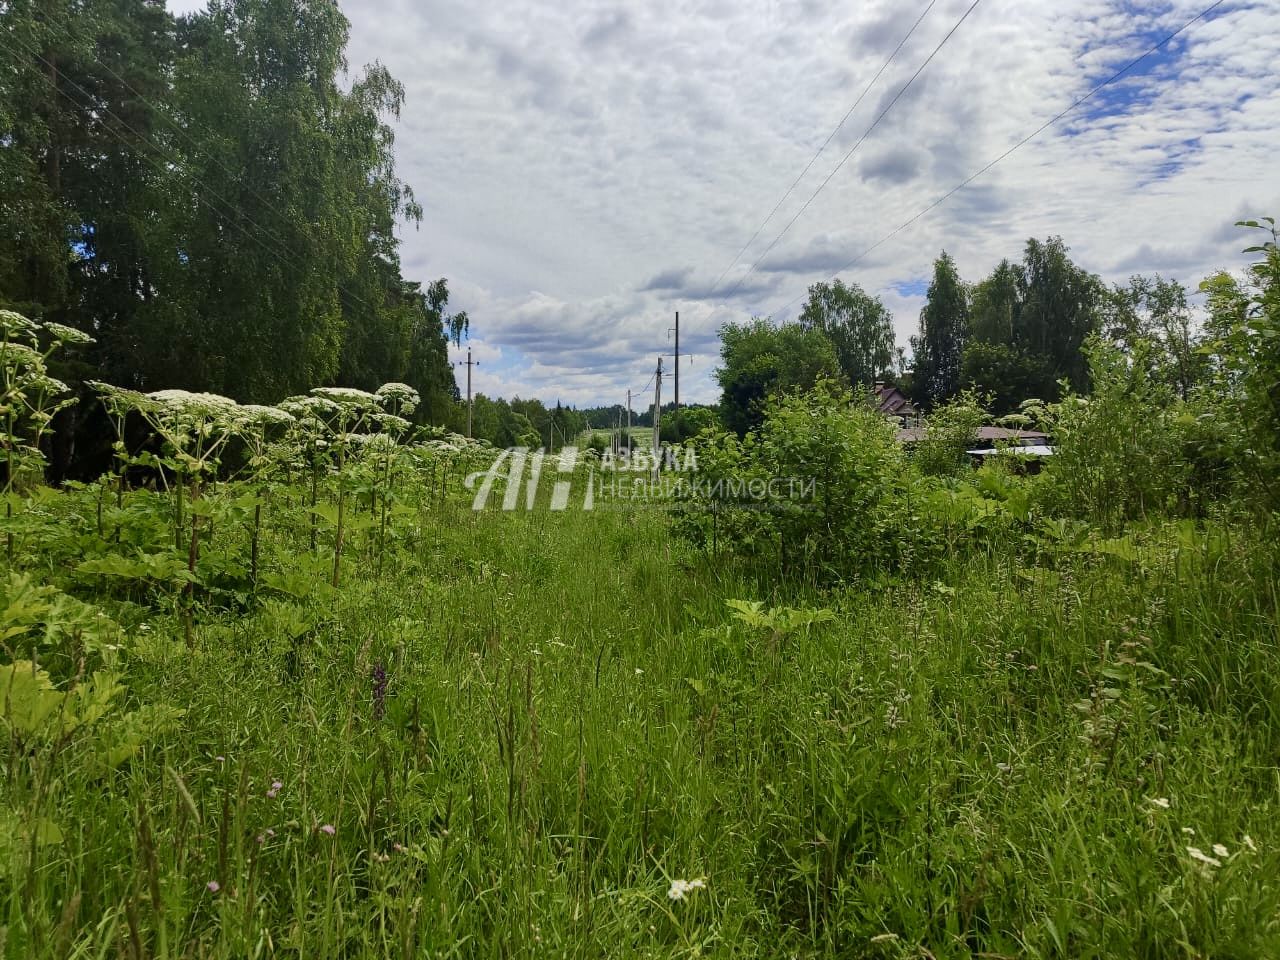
x=257 y=425
x=194 y=428
x=352 y=410
x=29 y=397
x=310 y=437
x=399 y=400
x=119 y=403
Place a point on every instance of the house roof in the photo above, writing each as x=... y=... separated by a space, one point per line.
x=890 y=400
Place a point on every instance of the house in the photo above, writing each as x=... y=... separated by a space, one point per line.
x=895 y=405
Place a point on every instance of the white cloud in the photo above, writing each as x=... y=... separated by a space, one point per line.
x=572 y=155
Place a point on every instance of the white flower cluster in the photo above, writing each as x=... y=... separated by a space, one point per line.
x=186 y=403
x=309 y=408
x=64 y=334
x=399 y=398
x=259 y=415
x=682 y=888
x=15 y=324
x=345 y=396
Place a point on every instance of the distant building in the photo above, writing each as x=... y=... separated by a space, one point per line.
x=895 y=405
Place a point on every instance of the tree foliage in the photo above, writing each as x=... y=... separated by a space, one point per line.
x=859 y=327
x=759 y=360
x=212 y=199
x=944 y=325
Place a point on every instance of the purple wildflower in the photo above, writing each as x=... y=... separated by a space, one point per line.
x=276 y=785
x=328 y=828
x=213 y=886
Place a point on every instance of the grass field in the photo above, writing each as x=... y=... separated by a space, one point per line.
x=522 y=736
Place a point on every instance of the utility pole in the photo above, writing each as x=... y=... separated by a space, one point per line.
x=657 y=417
x=470 y=363
x=628 y=414
x=676 y=359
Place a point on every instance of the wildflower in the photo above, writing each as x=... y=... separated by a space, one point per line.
x=65 y=334
x=220 y=758
x=213 y=886
x=639 y=672
x=1220 y=851
x=1248 y=842
x=328 y=829
x=1195 y=853
x=681 y=887
x=265 y=416
x=1161 y=802
x=15 y=323
x=346 y=396
x=1189 y=831
x=276 y=786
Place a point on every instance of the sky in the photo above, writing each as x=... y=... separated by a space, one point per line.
x=588 y=167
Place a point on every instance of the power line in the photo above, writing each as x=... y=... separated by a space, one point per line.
x=1155 y=48
x=853 y=149
x=825 y=143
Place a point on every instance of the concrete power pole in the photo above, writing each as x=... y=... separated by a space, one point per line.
x=470 y=363
x=677 y=358
x=657 y=418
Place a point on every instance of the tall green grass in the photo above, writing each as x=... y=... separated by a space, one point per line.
x=1010 y=761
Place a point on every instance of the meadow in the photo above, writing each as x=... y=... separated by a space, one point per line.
x=522 y=735
x=274 y=687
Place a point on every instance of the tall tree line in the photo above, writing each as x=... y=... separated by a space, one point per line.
x=1016 y=335
x=204 y=197
x=1012 y=336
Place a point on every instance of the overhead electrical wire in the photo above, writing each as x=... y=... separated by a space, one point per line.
x=852 y=150
x=825 y=143
x=1155 y=48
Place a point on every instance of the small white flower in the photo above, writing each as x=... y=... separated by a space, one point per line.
x=1195 y=853
x=1189 y=831
x=1161 y=802
x=1248 y=842
x=1220 y=851
x=679 y=888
